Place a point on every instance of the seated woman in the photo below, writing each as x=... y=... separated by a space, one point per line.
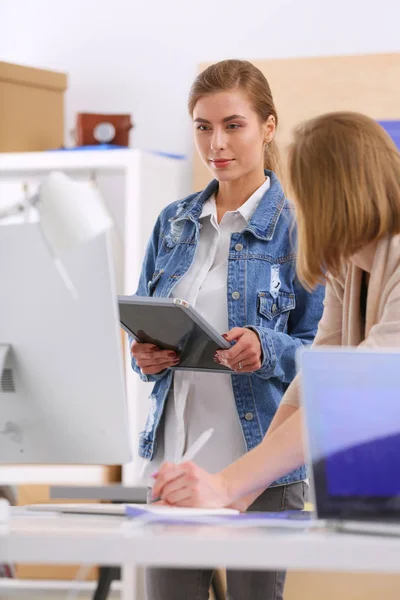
x=344 y=175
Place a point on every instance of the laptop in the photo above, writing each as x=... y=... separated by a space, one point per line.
x=351 y=408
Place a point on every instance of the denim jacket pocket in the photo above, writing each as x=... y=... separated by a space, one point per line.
x=274 y=312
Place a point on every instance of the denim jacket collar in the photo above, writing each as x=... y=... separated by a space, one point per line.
x=262 y=224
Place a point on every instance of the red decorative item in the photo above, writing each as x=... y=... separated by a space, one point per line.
x=93 y=129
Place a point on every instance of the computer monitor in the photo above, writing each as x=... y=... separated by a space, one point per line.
x=62 y=391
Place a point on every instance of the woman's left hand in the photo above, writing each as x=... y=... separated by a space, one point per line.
x=245 y=355
x=187 y=484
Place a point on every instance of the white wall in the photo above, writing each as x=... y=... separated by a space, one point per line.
x=140 y=56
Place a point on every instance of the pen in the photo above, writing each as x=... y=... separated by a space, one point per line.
x=192 y=451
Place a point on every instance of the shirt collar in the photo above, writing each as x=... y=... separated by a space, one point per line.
x=246 y=210
x=265 y=219
x=209 y=207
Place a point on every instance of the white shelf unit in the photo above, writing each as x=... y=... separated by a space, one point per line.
x=136 y=186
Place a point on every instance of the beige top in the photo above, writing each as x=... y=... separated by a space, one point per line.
x=341 y=321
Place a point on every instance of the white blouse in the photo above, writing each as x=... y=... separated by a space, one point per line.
x=198 y=401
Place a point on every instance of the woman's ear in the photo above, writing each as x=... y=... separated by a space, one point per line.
x=269 y=129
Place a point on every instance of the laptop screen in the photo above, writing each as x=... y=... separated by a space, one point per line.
x=352 y=411
x=363 y=452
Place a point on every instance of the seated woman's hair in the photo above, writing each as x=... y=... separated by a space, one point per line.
x=344 y=179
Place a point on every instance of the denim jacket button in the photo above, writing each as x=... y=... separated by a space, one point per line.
x=249 y=416
x=274 y=308
x=239 y=247
x=236 y=295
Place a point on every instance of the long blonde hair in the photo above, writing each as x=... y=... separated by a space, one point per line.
x=344 y=179
x=239 y=74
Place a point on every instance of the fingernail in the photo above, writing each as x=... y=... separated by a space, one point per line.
x=172 y=354
x=225 y=336
x=154 y=475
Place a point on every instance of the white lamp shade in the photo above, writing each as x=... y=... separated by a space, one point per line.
x=71 y=212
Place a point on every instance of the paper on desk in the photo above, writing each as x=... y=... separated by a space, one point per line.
x=225 y=516
x=161 y=514
x=176 y=512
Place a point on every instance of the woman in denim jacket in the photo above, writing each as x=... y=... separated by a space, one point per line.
x=228 y=251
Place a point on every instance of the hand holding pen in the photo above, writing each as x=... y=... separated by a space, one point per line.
x=186 y=484
x=188 y=455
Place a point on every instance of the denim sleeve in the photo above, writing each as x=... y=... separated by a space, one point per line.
x=146 y=275
x=279 y=349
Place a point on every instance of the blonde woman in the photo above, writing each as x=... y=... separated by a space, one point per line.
x=228 y=251
x=345 y=180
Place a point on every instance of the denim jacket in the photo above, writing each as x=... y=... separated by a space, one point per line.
x=263 y=294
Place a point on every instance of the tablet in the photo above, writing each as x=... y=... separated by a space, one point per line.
x=172 y=324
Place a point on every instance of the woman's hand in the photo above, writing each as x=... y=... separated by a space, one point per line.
x=187 y=484
x=245 y=355
x=151 y=360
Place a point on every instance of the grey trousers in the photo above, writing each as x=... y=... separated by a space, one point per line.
x=194 y=584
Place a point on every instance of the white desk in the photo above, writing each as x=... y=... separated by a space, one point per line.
x=113 y=541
